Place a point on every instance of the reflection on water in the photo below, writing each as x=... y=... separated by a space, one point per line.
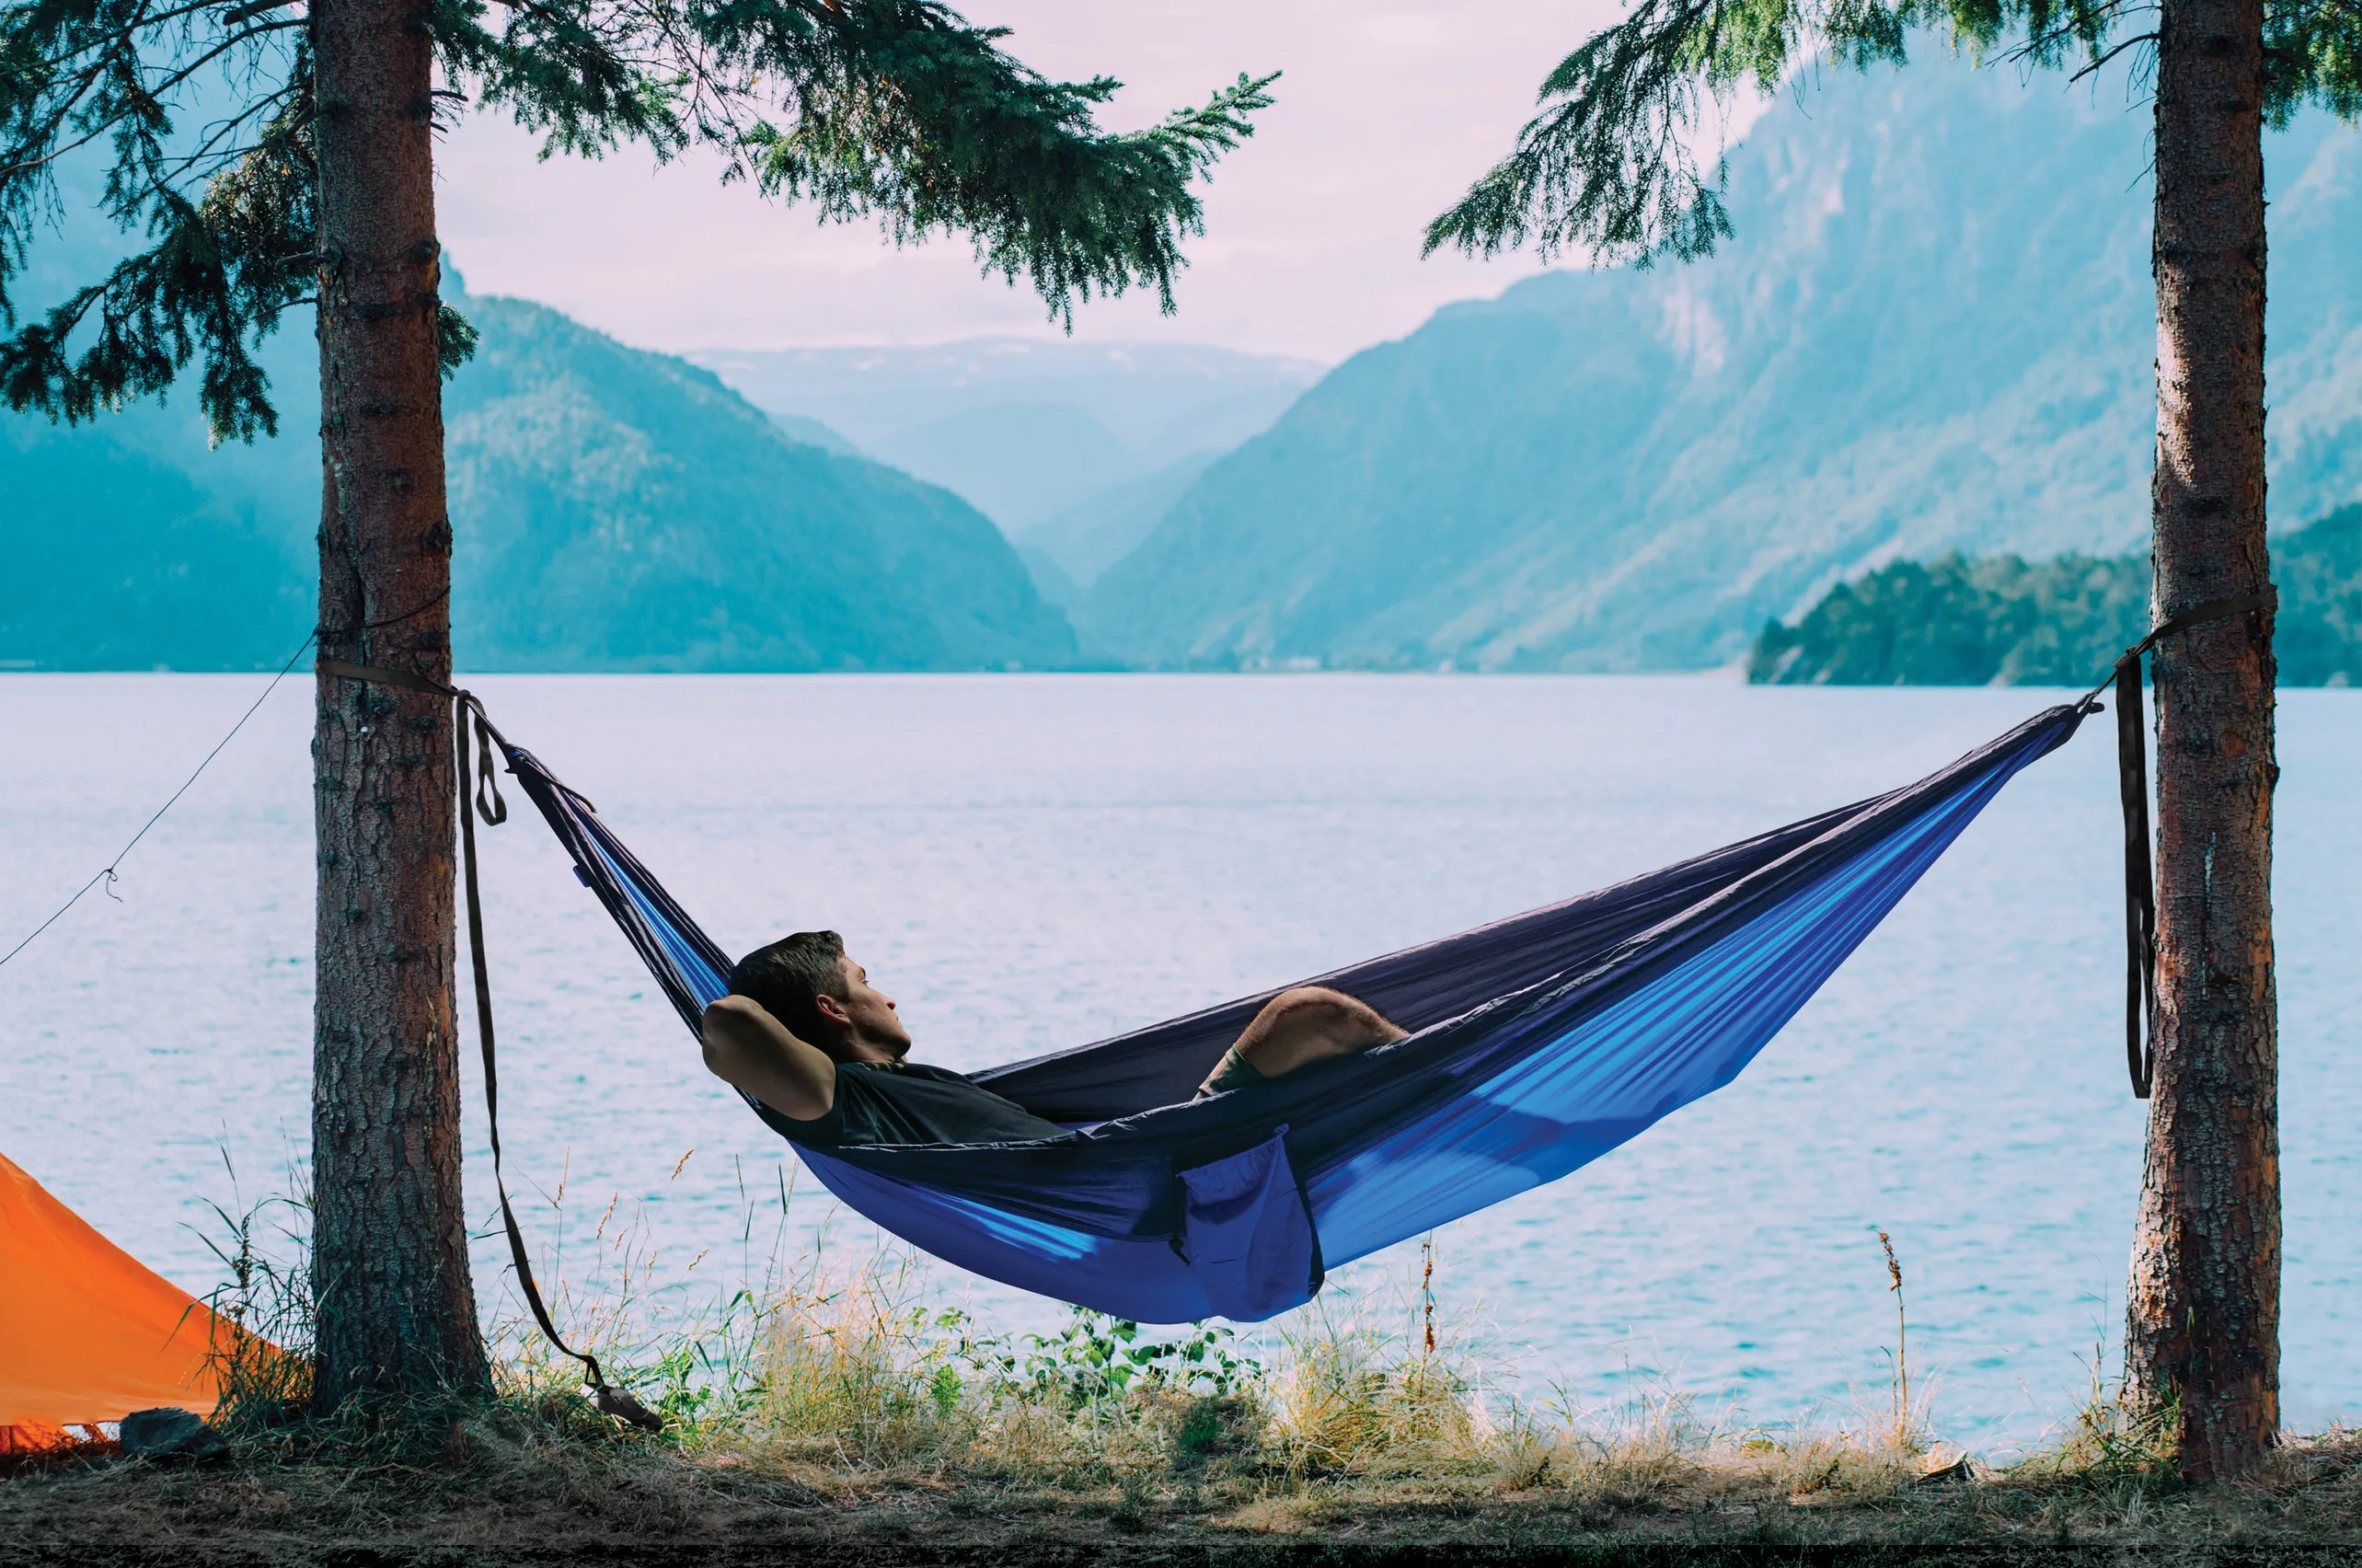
x=1026 y=862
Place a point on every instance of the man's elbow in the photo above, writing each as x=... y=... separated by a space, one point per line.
x=714 y=1039
x=718 y=1062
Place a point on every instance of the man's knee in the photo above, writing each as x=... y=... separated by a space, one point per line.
x=1315 y=1001
x=1316 y=1009
x=1299 y=1025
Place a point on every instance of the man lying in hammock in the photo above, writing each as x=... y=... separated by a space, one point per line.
x=805 y=1032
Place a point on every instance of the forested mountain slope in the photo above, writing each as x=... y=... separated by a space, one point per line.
x=115 y=559
x=2000 y=621
x=612 y=508
x=616 y=508
x=1932 y=332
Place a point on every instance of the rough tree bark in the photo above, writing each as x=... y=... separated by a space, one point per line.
x=396 y=1309
x=2202 y=1341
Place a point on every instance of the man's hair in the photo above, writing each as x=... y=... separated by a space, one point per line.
x=788 y=976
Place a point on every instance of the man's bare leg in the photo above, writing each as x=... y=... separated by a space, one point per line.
x=1301 y=1025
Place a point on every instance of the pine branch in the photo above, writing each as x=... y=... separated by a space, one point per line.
x=1610 y=164
x=2101 y=60
x=895 y=111
x=2313 y=53
x=214 y=281
x=892 y=109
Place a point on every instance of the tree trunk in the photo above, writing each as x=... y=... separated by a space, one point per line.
x=2202 y=1339
x=397 y=1308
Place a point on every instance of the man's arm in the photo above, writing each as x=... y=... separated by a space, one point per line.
x=747 y=1047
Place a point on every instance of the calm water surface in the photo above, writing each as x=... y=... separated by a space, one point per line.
x=1029 y=862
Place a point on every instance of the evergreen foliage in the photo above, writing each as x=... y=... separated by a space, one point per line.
x=1958 y=620
x=893 y=110
x=1996 y=620
x=1610 y=164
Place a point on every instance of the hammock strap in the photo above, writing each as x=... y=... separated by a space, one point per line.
x=484 y=798
x=2132 y=786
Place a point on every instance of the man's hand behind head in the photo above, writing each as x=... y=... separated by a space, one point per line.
x=821 y=996
x=749 y=1049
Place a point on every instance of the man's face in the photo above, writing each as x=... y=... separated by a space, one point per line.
x=874 y=1031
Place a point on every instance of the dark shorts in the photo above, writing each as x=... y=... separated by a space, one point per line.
x=1233 y=1071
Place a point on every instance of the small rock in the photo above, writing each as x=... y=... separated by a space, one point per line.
x=169 y=1433
x=1961 y=1470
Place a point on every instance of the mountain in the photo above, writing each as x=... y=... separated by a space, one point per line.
x=620 y=510
x=1013 y=461
x=1051 y=580
x=1932 y=332
x=1998 y=621
x=1025 y=429
x=117 y=561
x=133 y=544
x=1094 y=533
x=811 y=433
x=614 y=510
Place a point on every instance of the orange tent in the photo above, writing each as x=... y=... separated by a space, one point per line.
x=87 y=1332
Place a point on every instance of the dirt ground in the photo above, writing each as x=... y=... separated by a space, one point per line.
x=653 y=1505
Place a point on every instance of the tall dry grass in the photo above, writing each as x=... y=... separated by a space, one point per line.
x=839 y=1360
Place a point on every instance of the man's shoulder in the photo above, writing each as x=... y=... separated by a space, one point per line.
x=924 y=1072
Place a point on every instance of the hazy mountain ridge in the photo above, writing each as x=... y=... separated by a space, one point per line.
x=1086 y=539
x=1057 y=441
x=1932 y=332
x=812 y=432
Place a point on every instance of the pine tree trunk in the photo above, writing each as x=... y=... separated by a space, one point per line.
x=2202 y=1341
x=397 y=1308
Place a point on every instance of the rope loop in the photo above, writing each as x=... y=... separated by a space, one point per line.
x=488 y=803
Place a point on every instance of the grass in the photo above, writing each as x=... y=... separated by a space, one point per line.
x=832 y=1406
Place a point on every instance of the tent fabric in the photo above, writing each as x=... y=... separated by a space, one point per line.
x=35 y=1437
x=87 y=1332
x=1539 y=1044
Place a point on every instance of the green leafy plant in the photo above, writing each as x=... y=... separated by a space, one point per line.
x=1097 y=1360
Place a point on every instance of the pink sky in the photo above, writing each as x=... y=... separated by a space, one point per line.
x=1387 y=109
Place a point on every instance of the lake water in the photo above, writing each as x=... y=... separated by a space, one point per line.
x=1027 y=862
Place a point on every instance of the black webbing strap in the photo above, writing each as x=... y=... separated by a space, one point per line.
x=484 y=797
x=2132 y=785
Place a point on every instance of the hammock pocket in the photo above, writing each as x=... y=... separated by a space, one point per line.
x=1539 y=1042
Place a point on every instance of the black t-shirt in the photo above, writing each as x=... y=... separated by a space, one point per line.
x=904 y=1103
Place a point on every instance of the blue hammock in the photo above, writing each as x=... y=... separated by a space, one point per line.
x=1539 y=1044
